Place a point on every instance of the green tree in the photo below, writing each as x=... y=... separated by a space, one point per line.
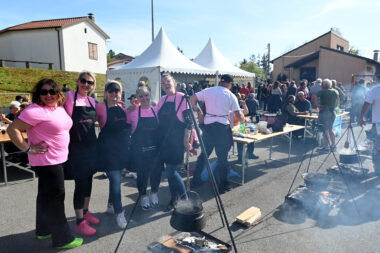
x=353 y=51
x=111 y=53
x=253 y=68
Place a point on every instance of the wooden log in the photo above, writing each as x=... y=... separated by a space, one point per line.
x=249 y=216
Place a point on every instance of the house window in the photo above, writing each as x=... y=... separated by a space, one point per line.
x=92 y=51
x=340 y=48
x=85 y=30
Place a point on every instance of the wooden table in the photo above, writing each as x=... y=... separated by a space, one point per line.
x=308 y=118
x=288 y=130
x=4 y=138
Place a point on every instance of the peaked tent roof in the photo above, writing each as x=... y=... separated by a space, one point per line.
x=163 y=54
x=210 y=57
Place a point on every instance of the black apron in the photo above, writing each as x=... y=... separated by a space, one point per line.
x=113 y=140
x=171 y=132
x=145 y=140
x=82 y=162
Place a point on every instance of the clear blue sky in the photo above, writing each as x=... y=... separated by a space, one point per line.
x=239 y=28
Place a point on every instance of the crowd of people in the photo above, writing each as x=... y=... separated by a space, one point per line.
x=146 y=138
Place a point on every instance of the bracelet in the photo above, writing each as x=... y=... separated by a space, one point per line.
x=27 y=151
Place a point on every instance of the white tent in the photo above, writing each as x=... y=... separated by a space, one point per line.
x=160 y=56
x=211 y=58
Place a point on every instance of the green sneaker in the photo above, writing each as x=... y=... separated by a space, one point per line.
x=76 y=243
x=42 y=237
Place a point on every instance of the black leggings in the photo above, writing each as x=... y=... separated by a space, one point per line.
x=82 y=190
x=51 y=218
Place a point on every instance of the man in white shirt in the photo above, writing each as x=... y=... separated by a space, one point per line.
x=373 y=98
x=219 y=102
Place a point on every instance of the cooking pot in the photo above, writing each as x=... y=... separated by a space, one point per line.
x=316 y=181
x=188 y=214
x=348 y=158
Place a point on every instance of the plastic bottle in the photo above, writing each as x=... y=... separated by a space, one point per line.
x=337 y=110
x=242 y=128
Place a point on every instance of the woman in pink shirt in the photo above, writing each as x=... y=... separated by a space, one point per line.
x=144 y=148
x=82 y=161
x=47 y=125
x=113 y=145
x=174 y=132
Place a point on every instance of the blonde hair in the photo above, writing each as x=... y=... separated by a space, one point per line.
x=167 y=75
x=92 y=75
x=143 y=90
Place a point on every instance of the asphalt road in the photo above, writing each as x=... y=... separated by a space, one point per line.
x=346 y=228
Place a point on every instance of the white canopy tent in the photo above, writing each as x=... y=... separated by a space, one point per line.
x=211 y=58
x=160 y=56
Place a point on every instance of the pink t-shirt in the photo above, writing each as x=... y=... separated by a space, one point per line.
x=81 y=101
x=133 y=117
x=101 y=113
x=178 y=100
x=51 y=125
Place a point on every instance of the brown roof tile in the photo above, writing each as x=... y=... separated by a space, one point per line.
x=41 y=24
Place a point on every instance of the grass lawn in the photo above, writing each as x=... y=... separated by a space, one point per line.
x=21 y=80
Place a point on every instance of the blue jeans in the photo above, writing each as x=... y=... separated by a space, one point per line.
x=176 y=185
x=114 y=196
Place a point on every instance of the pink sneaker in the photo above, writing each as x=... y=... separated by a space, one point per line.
x=90 y=218
x=84 y=229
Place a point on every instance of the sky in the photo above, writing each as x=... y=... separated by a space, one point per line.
x=239 y=28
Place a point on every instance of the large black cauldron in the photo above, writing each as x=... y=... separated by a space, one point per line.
x=188 y=214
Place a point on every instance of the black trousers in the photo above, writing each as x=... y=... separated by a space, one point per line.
x=250 y=149
x=51 y=218
x=83 y=188
x=218 y=136
x=148 y=169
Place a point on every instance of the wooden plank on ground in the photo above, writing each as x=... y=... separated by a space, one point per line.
x=249 y=216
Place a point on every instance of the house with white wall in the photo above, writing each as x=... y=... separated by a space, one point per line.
x=71 y=44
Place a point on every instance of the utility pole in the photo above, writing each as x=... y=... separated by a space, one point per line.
x=152 y=22
x=268 y=68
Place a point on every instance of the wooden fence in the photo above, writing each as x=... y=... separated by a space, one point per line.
x=27 y=63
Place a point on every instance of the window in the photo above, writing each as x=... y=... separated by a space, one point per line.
x=92 y=51
x=340 y=48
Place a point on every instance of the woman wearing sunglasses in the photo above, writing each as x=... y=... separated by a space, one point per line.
x=47 y=125
x=113 y=145
x=144 y=148
x=82 y=162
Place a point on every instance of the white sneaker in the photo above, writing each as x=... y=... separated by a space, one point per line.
x=131 y=175
x=153 y=199
x=121 y=221
x=145 y=205
x=110 y=209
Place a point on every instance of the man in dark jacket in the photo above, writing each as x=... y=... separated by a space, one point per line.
x=252 y=104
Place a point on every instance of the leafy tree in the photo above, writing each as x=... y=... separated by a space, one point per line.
x=253 y=68
x=110 y=56
x=180 y=50
x=353 y=51
x=111 y=53
x=252 y=58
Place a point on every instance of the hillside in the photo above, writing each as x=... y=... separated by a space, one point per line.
x=21 y=80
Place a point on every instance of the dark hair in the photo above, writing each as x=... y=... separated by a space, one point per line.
x=36 y=92
x=276 y=85
x=18 y=97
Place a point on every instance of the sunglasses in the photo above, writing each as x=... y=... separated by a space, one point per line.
x=113 y=90
x=84 y=81
x=45 y=92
